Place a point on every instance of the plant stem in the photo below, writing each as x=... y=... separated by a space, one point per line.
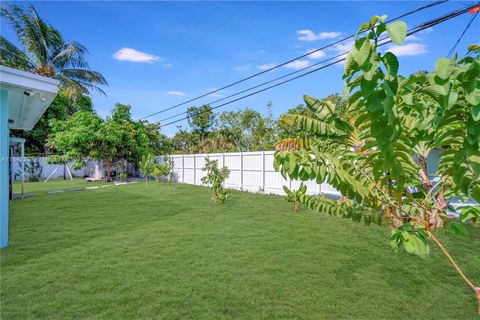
x=476 y=290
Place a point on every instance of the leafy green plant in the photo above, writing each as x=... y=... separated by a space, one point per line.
x=85 y=136
x=146 y=166
x=121 y=171
x=215 y=178
x=294 y=196
x=375 y=151
x=33 y=169
x=164 y=169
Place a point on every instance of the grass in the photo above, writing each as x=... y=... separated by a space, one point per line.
x=137 y=252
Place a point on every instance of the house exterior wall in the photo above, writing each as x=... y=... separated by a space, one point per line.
x=4 y=143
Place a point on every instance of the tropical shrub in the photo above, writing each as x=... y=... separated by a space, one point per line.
x=146 y=166
x=164 y=169
x=375 y=151
x=294 y=196
x=33 y=169
x=215 y=178
x=121 y=171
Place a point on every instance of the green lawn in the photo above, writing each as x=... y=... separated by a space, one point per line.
x=137 y=252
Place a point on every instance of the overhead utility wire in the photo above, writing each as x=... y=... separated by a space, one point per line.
x=262 y=84
x=218 y=26
x=462 y=34
x=287 y=62
x=270 y=81
x=191 y=27
x=419 y=28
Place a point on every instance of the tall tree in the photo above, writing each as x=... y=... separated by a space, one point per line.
x=201 y=120
x=248 y=129
x=46 y=53
x=86 y=136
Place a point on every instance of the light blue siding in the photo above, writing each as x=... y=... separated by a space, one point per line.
x=4 y=133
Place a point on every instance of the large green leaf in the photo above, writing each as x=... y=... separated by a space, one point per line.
x=444 y=68
x=391 y=63
x=360 y=55
x=397 y=31
x=415 y=245
x=322 y=109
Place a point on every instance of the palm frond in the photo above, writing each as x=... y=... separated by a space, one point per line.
x=47 y=53
x=69 y=54
x=11 y=56
x=12 y=14
x=87 y=79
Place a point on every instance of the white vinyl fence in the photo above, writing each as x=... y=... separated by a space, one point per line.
x=249 y=171
x=48 y=169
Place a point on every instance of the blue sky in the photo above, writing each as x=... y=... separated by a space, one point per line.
x=156 y=54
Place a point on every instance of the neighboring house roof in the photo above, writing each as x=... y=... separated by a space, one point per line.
x=29 y=95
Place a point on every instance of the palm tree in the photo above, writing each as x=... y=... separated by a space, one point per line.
x=47 y=53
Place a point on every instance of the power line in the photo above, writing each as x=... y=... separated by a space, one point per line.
x=287 y=62
x=218 y=26
x=462 y=34
x=191 y=27
x=262 y=84
x=275 y=79
x=419 y=28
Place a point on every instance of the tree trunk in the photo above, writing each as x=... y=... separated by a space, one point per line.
x=107 y=167
x=296 y=206
x=434 y=219
x=389 y=212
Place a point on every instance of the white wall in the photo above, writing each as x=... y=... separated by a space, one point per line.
x=249 y=171
x=47 y=169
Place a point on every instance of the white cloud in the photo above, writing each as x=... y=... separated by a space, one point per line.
x=309 y=35
x=298 y=64
x=412 y=38
x=343 y=46
x=176 y=93
x=426 y=31
x=316 y=54
x=409 y=49
x=132 y=55
x=167 y=65
x=266 y=66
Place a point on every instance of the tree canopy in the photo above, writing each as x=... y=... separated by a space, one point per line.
x=85 y=135
x=375 y=149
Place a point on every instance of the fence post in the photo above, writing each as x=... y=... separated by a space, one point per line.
x=241 y=171
x=263 y=171
x=194 y=170
x=183 y=168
